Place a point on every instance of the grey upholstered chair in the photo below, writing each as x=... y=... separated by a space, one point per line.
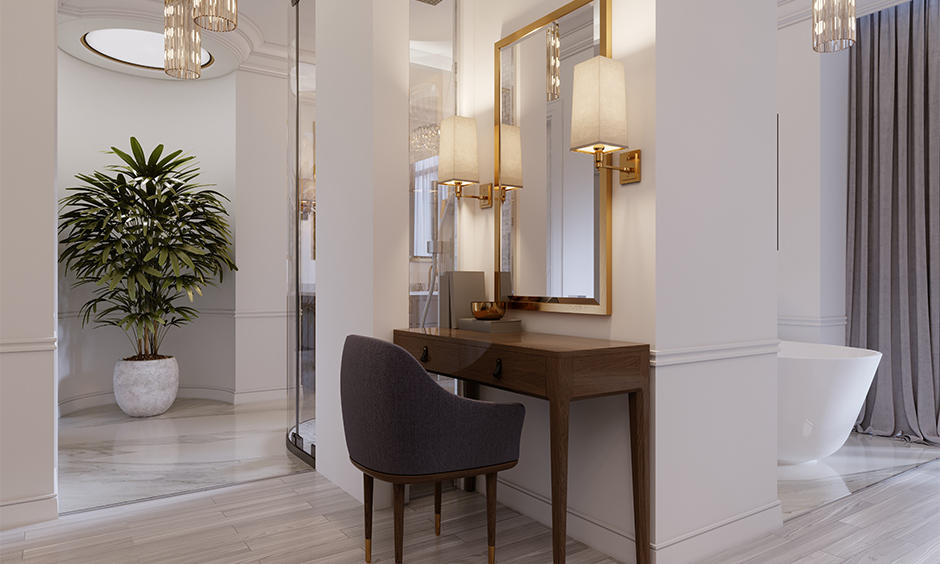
x=404 y=428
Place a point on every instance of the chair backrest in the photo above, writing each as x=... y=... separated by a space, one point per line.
x=388 y=401
x=399 y=421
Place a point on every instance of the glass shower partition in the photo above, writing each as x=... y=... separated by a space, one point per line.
x=301 y=361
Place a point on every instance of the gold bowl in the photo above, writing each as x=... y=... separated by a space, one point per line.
x=488 y=310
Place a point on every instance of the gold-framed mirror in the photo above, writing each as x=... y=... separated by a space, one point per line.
x=552 y=237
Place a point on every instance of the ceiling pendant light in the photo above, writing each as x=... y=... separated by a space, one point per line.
x=216 y=15
x=833 y=25
x=182 y=41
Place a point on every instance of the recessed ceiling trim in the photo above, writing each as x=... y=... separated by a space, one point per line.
x=100 y=53
x=229 y=50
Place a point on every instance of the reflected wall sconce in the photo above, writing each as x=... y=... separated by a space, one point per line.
x=552 y=62
x=459 y=165
x=599 y=114
x=833 y=25
x=510 y=159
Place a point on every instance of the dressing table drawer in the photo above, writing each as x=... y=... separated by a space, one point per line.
x=519 y=372
x=435 y=355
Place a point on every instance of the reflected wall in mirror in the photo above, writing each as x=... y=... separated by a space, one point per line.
x=553 y=236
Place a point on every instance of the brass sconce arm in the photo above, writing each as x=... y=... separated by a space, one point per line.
x=485 y=196
x=628 y=174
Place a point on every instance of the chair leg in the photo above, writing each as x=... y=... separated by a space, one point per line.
x=437 y=508
x=399 y=508
x=491 y=515
x=367 y=483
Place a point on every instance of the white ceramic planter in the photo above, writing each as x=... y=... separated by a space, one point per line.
x=144 y=388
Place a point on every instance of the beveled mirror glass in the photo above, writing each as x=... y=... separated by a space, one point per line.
x=552 y=236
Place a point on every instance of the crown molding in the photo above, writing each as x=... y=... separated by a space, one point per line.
x=790 y=12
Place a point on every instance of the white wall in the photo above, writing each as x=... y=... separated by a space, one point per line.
x=99 y=109
x=27 y=266
x=694 y=271
x=261 y=233
x=362 y=200
x=813 y=107
x=236 y=127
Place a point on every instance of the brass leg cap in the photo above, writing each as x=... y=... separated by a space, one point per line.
x=368 y=550
x=492 y=552
x=437 y=524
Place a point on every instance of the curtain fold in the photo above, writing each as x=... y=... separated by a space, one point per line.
x=893 y=244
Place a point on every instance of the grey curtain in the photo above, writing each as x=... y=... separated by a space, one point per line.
x=893 y=278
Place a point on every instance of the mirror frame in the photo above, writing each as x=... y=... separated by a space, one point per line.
x=600 y=304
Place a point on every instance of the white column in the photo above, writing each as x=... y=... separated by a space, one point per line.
x=28 y=266
x=813 y=106
x=362 y=198
x=260 y=162
x=714 y=399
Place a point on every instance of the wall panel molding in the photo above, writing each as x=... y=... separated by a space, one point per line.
x=671 y=357
x=35 y=344
x=834 y=321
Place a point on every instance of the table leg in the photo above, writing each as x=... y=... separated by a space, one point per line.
x=639 y=454
x=558 y=423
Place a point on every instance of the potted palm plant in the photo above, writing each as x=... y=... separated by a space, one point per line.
x=145 y=235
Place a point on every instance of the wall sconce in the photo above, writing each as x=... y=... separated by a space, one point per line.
x=599 y=114
x=510 y=159
x=459 y=164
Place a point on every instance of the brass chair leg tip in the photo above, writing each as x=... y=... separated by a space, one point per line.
x=437 y=524
x=368 y=550
x=492 y=553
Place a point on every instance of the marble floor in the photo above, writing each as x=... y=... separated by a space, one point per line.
x=108 y=458
x=863 y=461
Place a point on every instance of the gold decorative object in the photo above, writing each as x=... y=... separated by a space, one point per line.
x=599 y=303
x=489 y=311
x=833 y=25
x=216 y=15
x=182 y=41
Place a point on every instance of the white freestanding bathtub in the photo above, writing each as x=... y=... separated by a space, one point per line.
x=820 y=390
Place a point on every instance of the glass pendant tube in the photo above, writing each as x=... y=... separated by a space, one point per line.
x=553 y=62
x=182 y=41
x=833 y=25
x=216 y=15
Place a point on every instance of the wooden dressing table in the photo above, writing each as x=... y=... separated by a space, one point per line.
x=559 y=369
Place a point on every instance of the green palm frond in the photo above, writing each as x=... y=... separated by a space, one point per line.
x=145 y=235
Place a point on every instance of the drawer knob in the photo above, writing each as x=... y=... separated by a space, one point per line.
x=498 y=371
x=424 y=354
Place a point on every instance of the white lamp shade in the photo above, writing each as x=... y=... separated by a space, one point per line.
x=599 y=106
x=510 y=157
x=459 y=163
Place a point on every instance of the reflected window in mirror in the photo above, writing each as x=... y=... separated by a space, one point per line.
x=432 y=98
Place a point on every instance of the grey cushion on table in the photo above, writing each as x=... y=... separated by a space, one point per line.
x=398 y=420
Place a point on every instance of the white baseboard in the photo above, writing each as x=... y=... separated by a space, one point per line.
x=260 y=395
x=718 y=537
x=621 y=545
x=611 y=540
x=22 y=512
x=207 y=393
x=86 y=401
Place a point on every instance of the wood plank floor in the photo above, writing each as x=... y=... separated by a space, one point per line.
x=301 y=518
x=306 y=519
x=896 y=521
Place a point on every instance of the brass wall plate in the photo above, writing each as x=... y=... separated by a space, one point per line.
x=486 y=195
x=628 y=160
